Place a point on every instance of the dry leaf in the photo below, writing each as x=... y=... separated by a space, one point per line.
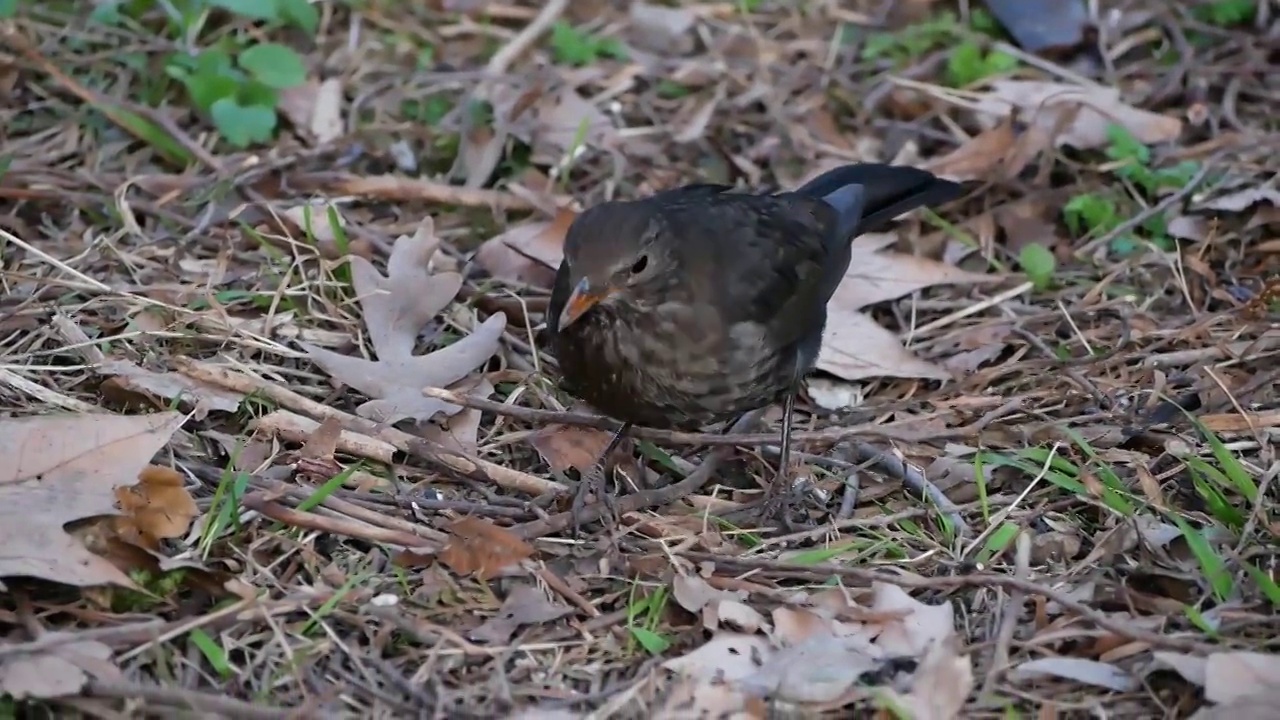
x=728 y=655
x=1079 y=115
x=663 y=30
x=853 y=345
x=59 y=671
x=64 y=468
x=941 y=685
x=692 y=699
x=552 y=118
x=525 y=605
x=911 y=627
x=1091 y=672
x=1000 y=153
x=481 y=548
x=460 y=432
x=396 y=308
x=163 y=387
x=821 y=669
x=315 y=109
x=479 y=153
x=157 y=508
x=528 y=253
x=570 y=446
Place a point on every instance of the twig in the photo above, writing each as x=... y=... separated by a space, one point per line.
x=1009 y=613
x=895 y=431
x=637 y=501
x=914 y=480
x=399 y=188
x=436 y=455
x=195 y=700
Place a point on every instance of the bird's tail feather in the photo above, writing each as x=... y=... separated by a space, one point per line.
x=886 y=191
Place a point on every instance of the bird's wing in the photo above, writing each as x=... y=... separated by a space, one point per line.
x=758 y=258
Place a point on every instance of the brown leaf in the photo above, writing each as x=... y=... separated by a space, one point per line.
x=315 y=109
x=396 y=308
x=941 y=685
x=157 y=508
x=570 y=446
x=525 y=605
x=323 y=443
x=481 y=548
x=527 y=253
x=63 y=468
x=130 y=383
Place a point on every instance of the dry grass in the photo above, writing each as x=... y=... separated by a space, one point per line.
x=1063 y=448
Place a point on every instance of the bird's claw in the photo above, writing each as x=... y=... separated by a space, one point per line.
x=592 y=483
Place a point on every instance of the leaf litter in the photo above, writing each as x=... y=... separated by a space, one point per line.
x=1103 y=422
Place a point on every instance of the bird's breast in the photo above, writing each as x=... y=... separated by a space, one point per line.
x=671 y=366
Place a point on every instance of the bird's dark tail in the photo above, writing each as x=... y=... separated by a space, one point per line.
x=867 y=196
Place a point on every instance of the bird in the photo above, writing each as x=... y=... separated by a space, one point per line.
x=698 y=303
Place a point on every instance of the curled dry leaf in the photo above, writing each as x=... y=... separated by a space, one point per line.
x=1090 y=672
x=63 y=468
x=940 y=686
x=525 y=605
x=570 y=446
x=481 y=548
x=315 y=109
x=157 y=508
x=689 y=698
x=528 y=253
x=396 y=308
x=1073 y=115
x=1000 y=153
x=853 y=345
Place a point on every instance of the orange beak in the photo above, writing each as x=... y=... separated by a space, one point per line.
x=583 y=298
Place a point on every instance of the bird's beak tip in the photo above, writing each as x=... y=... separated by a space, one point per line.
x=583 y=298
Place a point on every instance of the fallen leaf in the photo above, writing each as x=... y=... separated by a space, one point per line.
x=663 y=30
x=525 y=605
x=157 y=508
x=941 y=685
x=818 y=670
x=726 y=656
x=59 y=671
x=396 y=308
x=853 y=345
x=553 y=119
x=692 y=699
x=528 y=253
x=161 y=388
x=323 y=442
x=570 y=446
x=460 y=432
x=999 y=153
x=911 y=627
x=481 y=548
x=315 y=109
x=1073 y=115
x=1258 y=706
x=1230 y=676
x=64 y=468
x=1242 y=199
x=1090 y=672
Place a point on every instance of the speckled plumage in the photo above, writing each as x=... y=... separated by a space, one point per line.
x=726 y=311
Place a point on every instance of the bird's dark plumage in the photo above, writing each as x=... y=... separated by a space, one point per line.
x=697 y=304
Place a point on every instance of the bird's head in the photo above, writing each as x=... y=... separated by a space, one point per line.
x=614 y=254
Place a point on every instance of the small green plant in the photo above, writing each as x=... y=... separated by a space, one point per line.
x=916 y=40
x=235 y=80
x=1098 y=213
x=571 y=46
x=968 y=64
x=1225 y=13
x=643 y=616
x=1038 y=263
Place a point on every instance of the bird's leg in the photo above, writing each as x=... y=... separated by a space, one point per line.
x=778 y=496
x=594 y=481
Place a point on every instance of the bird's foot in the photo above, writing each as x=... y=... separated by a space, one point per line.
x=592 y=483
x=779 y=502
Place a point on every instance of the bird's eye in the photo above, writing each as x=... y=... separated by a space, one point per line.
x=639 y=265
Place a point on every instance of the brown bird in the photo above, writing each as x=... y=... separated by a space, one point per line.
x=697 y=304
